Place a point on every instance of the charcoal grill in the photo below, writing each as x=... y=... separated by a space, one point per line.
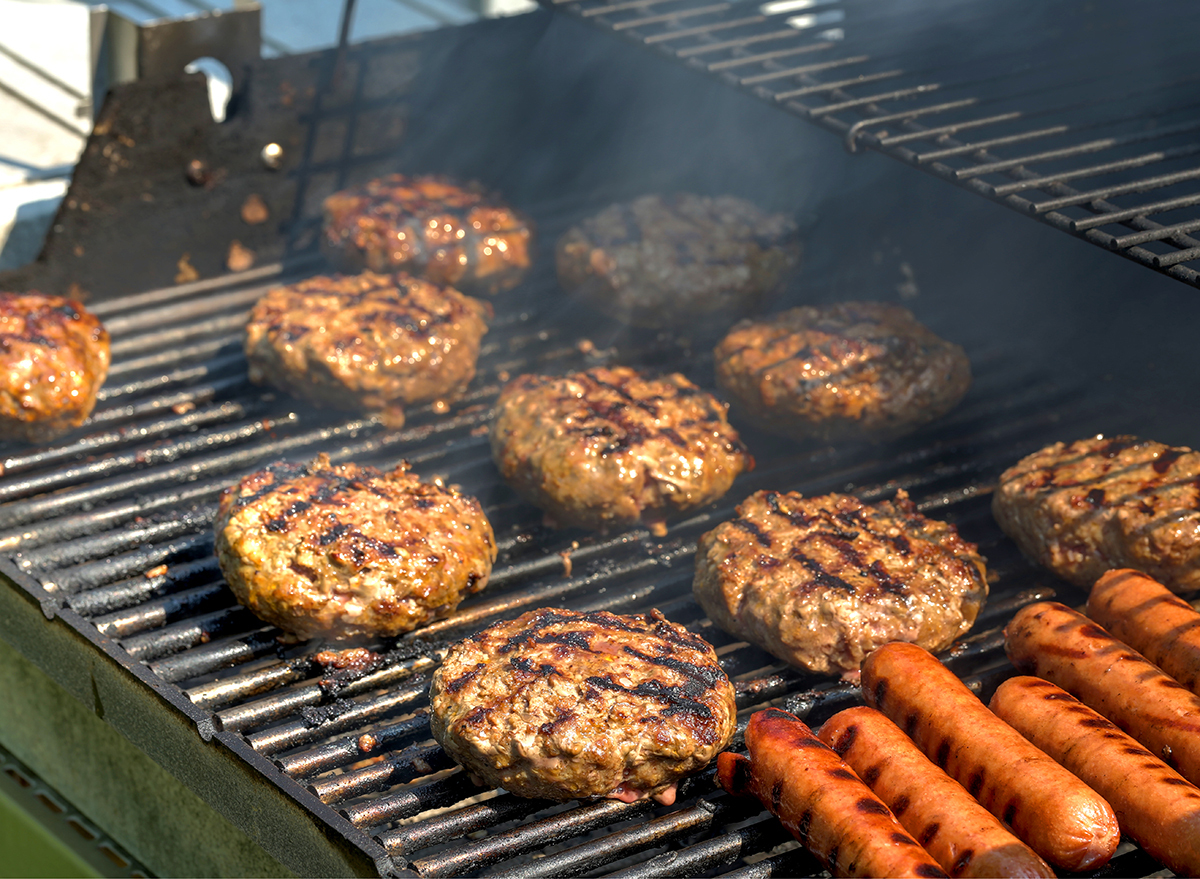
x=106 y=540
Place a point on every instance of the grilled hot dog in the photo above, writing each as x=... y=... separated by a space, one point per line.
x=1154 y=804
x=1052 y=641
x=1152 y=620
x=963 y=836
x=1055 y=813
x=821 y=801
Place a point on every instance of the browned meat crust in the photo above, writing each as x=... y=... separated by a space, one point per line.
x=661 y=260
x=861 y=370
x=821 y=582
x=562 y=704
x=606 y=448
x=456 y=234
x=365 y=342
x=55 y=358
x=1090 y=506
x=341 y=551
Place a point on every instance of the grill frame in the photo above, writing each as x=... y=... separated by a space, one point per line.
x=301 y=836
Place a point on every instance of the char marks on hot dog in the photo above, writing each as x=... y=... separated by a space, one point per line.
x=1052 y=641
x=1152 y=620
x=1154 y=804
x=821 y=801
x=1055 y=813
x=963 y=836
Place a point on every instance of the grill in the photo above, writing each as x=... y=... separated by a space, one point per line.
x=106 y=535
x=1035 y=108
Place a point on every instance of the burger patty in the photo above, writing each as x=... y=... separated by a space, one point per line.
x=821 y=582
x=1090 y=506
x=451 y=233
x=341 y=551
x=563 y=705
x=660 y=260
x=607 y=448
x=55 y=358
x=861 y=370
x=365 y=342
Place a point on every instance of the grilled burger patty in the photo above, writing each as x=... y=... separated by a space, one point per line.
x=55 y=358
x=862 y=370
x=607 y=447
x=451 y=233
x=365 y=342
x=1090 y=506
x=341 y=551
x=659 y=260
x=563 y=705
x=821 y=582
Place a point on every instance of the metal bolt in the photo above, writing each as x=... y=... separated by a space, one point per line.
x=197 y=172
x=272 y=156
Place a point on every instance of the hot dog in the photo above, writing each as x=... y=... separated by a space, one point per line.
x=961 y=835
x=1154 y=804
x=1054 y=642
x=821 y=801
x=1152 y=620
x=1055 y=813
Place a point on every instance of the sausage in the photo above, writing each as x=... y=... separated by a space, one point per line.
x=1154 y=804
x=1152 y=620
x=961 y=835
x=821 y=801
x=1052 y=641
x=1055 y=813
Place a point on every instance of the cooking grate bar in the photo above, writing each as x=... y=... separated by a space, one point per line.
x=183 y=376
x=407 y=765
x=100 y=546
x=129 y=592
x=199 y=629
x=213 y=348
x=459 y=823
x=96 y=443
x=408 y=685
x=529 y=837
x=341 y=752
x=160 y=612
x=622 y=843
x=223 y=327
x=710 y=854
x=396 y=807
x=119 y=567
x=795 y=862
x=219 y=654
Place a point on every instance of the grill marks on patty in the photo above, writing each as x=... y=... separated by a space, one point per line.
x=856 y=370
x=1085 y=507
x=566 y=704
x=819 y=582
x=367 y=342
x=54 y=357
x=346 y=551
x=607 y=447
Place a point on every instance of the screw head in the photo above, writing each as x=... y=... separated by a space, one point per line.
x=272 y=156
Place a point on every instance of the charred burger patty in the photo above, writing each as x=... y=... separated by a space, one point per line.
x=821 y=582
x=659 y=260
x=342 y=551
x=55 y=358
x=607 y=447
x=432 y=227
x=1090 y=506
x=563 y=704
x=365 y=342
x=862 y=370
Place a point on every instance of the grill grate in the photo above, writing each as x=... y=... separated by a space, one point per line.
x=1077 y=119
x=111 y=531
